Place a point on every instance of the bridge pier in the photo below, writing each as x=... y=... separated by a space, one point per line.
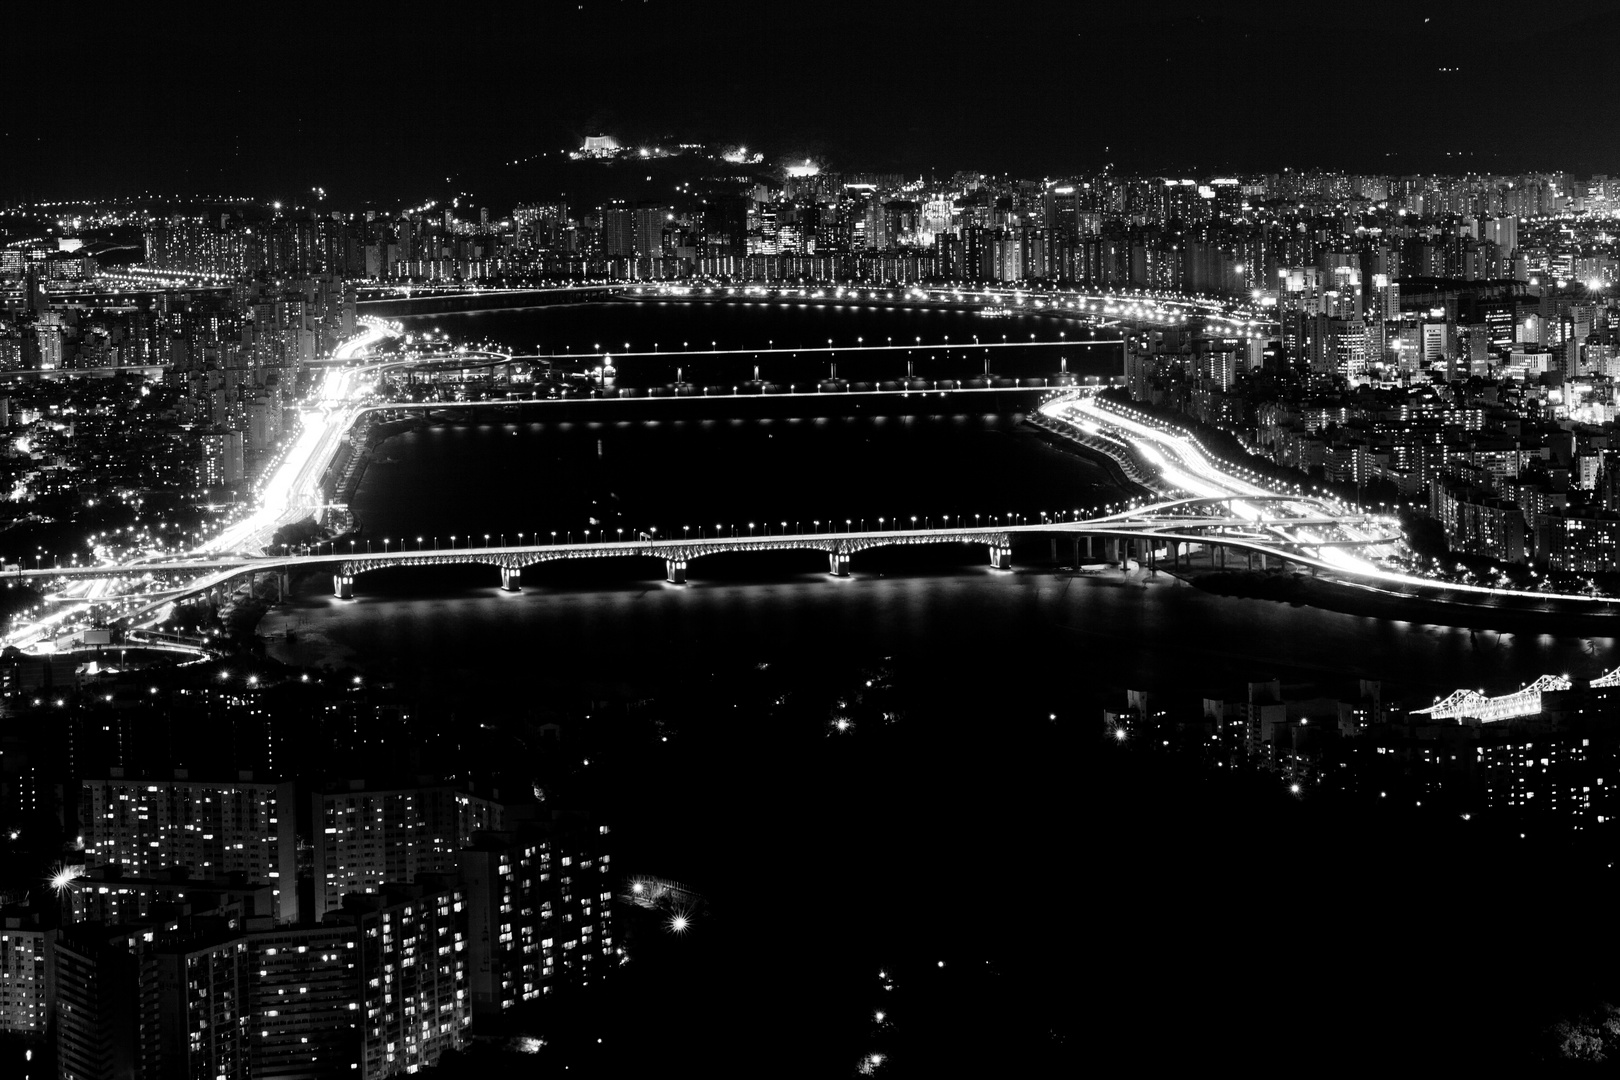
x=838 y=563
x=511 y=579
x=1001 y=557
x=283 y=586
x=675 y=571
x=343 y=586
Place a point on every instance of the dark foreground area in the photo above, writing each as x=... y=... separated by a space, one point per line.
x=1015 y=893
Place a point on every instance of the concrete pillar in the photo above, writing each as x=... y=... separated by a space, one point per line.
x=1054 y=549
x=838 y=563
x=675 y=571
x=1001 y=557
x=343 y=586
x=512 y=578
x=1262 y=560
x=283 y=586
x=1088 y=547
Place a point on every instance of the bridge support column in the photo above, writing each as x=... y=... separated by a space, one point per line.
x=1262 y=560
x=675 y=571
x=1088 y=547
x=283 y=586
x=511 y=579
x=343 y=586
x=1001 y=557
x=838 y=563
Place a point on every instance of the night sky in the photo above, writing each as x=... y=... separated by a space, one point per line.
x=271 y=100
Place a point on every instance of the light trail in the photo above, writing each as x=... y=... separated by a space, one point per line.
x=1185 y=465
x=290 y=493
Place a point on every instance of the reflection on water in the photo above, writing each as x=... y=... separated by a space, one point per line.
x=1047 y=632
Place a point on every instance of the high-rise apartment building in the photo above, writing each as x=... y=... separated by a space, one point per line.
x=413 y=976
x=365 y=838
x=95 y=984
x=22 y=977
x=213 y=829
x=618 y=229
x=379 y=990
x=539 y=912
x=650 y=223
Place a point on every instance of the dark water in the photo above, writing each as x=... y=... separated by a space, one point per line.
x=1083 y=904
x=674 y=327
x=680 y=476
x=1066 y=638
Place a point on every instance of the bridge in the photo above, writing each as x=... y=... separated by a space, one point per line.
x=1526 y=701
x=1160 y=530
x=1239 y=317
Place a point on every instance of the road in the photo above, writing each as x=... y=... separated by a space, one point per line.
x=291 y=490
x=1185 y=467
x=290 y=493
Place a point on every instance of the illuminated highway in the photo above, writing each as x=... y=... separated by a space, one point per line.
x=1324 y=528
x=291 y=491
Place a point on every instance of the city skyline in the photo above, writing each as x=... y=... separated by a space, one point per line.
x=854 y=540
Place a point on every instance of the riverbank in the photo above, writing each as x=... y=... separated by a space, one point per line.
x=1296 y=588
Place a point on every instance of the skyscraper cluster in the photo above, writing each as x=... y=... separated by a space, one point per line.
x=304 y=923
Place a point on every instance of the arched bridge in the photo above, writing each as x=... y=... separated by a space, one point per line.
x=1143 y=532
